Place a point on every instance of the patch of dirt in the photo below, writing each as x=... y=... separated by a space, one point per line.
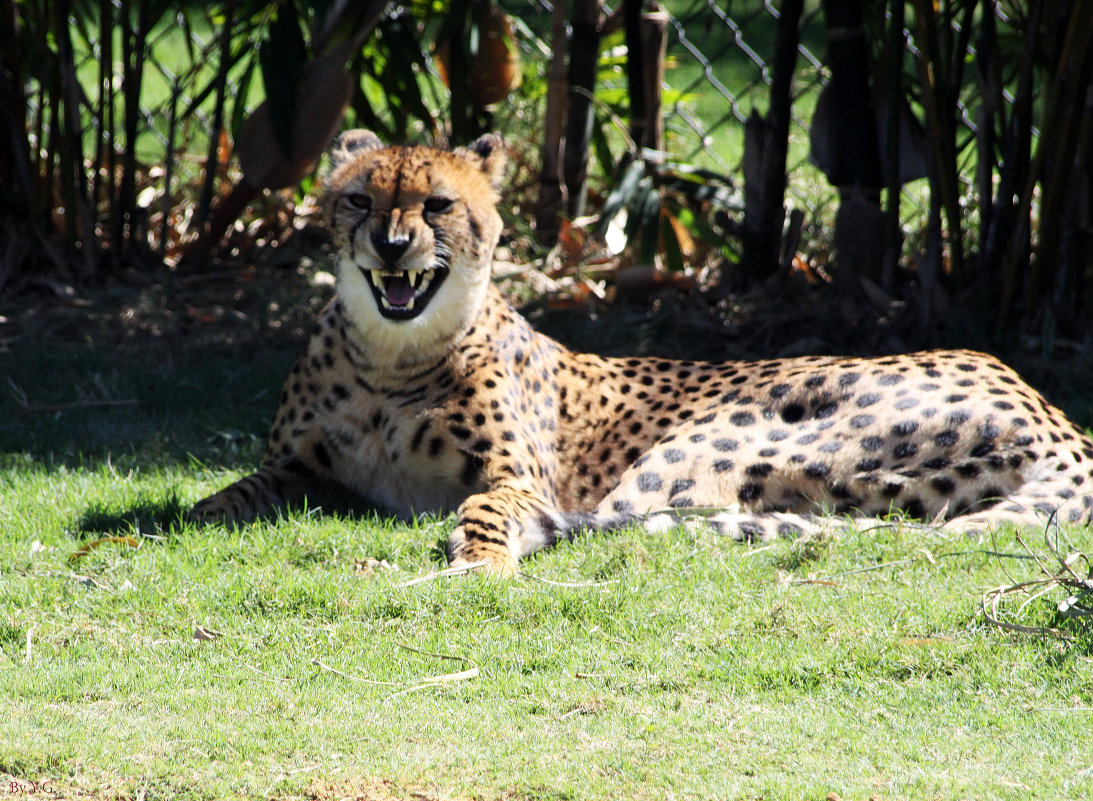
x=370 y=788
x=273 y=299
x=367 y=788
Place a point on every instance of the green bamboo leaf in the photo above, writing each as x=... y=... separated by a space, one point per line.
x=643 y=221
x=602 y=149
x=239 y=110
x=670 y=246
x=622 y=195
x=282 y=57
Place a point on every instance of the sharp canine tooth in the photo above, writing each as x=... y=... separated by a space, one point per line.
x=412 y=275
x=386 y=303
x=376 y=277
x=410 y=304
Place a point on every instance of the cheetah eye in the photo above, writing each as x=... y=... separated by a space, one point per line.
x=359 y=201
x=438 y=205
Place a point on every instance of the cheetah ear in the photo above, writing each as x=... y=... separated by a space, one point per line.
x=487 y=153
x=351 y=143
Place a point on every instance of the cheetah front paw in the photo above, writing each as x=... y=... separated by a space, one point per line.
x=486 y=558
x=218 y=508
x=491 y=567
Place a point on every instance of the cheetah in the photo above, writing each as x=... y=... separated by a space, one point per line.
x=422 y=390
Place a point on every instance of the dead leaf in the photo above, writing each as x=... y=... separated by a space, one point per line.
x=923 y=642
x=202 y=633
x=132 y=542
x=368 y=566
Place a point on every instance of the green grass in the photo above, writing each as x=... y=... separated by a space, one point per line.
x=675 y=666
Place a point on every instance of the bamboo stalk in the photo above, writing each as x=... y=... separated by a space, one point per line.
x=106 y=26
x=893 y=238
x=772 y=214
x=635 y=69
x=550 y=176
x=1056 y=138
x=78 y=212
x=583 y=60
x=16 y=155
x=990 y=104
x=1003 y=245
x=39 y=206
x=64 y=133
x=654 y=44
x=211 y=160
x=114 y=221
x=1063 y=111
x=940 y=107
x=169 y=168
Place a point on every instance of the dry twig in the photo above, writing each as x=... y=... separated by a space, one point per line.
x=447 y=572
x=1077 y=604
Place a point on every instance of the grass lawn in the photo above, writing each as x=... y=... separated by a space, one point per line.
x=291 y=659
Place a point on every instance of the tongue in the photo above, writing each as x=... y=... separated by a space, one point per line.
x=398 y=290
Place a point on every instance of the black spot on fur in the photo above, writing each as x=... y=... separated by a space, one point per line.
x=681 y=485
x=742 y=419
x=943 y=484
x=322 y=455
x=750 y=492
x=793 y=413
x=946 y=439
x=904 y=428
x=905 y=450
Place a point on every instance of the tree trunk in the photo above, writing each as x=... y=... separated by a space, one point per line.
x=766 y=140
x=583 y=61
x=857 y=171
x=550 y=177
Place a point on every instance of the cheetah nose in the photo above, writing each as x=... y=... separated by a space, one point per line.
x=390 y=249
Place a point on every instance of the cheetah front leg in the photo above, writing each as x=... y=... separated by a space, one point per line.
x=500 y=525
x=274 y=485
x=297 y=458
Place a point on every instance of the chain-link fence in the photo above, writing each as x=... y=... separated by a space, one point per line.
x=150 y=114
x=718 y=72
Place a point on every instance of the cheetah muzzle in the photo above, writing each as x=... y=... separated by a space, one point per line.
x=422 y=390
x=405 y=294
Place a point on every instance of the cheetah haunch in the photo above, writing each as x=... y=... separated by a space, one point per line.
x=421 y=390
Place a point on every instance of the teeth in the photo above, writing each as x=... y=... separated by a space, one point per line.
x=424 y=285
x=419 y=280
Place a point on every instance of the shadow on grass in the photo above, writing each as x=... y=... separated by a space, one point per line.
x=158 y=516
x=80 y=404
x=166 y=515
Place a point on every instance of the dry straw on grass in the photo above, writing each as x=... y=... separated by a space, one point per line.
x=1068 y=570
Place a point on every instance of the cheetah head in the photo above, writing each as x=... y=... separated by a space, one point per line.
x=414 y=230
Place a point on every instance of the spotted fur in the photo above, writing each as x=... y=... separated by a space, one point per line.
x=452 y=402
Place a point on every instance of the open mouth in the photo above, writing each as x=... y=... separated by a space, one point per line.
x=404 y=294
